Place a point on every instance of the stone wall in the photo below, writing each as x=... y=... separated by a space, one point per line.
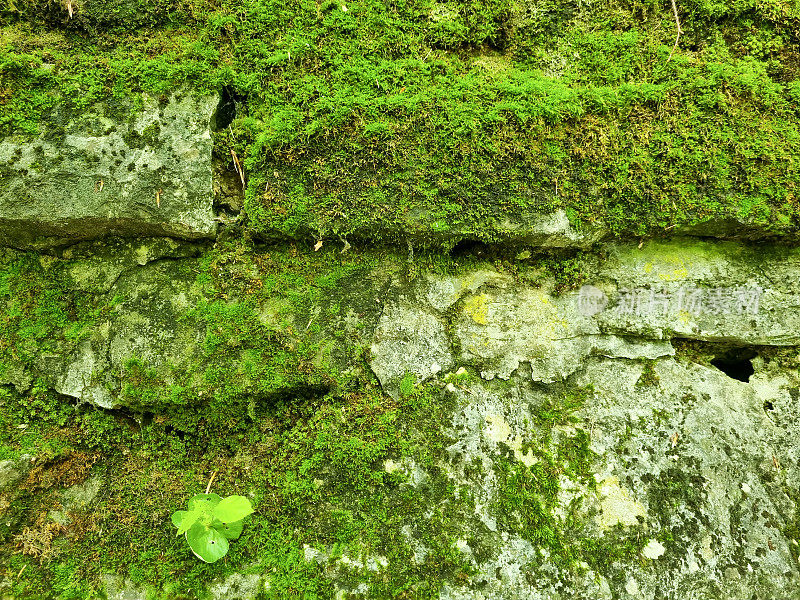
x=572 y=418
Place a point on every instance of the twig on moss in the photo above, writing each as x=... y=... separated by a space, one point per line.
x=210 y=481
x=238 y=166
x=678 y=25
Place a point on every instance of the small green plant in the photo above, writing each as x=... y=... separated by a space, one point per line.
x=211 y=522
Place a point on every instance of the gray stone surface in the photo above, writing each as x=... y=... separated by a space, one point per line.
x=719 y=274
x=409 y=341
x=480 y=318
x=119 y=588
x=689 y=289
x=113 y=169
x=152 y=292
x=76 y=498
x=13 y=470
x=551 y=230
x=237 y=586
x=686 y=463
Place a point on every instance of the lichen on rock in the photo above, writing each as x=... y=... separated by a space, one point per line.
x=113 y=168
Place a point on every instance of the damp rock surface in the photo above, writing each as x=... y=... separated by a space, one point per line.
x=111 y=169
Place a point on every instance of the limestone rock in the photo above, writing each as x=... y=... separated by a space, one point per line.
x=237 y=586
x=409 y=341
x=119 y=588
x=106 y=172
x=691 y=464
x=699 y=455
x=718 y=291
x=499 y=329
x=76 y=498
x=549 y=230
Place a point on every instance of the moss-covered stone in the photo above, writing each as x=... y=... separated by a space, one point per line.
x=260 y=364
x=440 y=122
x=109 y=171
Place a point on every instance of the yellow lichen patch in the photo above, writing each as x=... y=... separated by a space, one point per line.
x=671 y=269
x=527 y=459
x=142 y=255
x=497 y=429
x=477 y=307
x=617 y=506
x=676 y=274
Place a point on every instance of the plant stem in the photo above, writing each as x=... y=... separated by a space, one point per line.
x=208 y=487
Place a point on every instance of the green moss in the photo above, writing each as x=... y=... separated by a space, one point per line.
x=264 y=404
x=528 y=500
x=558 y=408
x=40 y=311
x=617 y=545
x=649 y=377
x=314 y=467
x=437 y=122
x=792 y=532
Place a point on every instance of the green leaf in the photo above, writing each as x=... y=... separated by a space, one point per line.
x=204 y=501
x=177 y=517
x=188 y=519
x=207 y=543
x=233 y=508
x=231 y=531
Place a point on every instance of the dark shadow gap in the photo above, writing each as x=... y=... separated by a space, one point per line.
x=736 y=363
x=229 y=102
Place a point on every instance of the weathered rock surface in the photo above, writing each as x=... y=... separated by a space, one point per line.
x=634 y=302
x=538 y=229
x=12 y=470
x=691 y=463
x=111 y=171
x=688 y=486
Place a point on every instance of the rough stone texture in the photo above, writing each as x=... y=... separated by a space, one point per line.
x=691 y=455
x=496 y=324
x=698 y=467
x=118 y=588
x=688 y=265
x=111 y=171
x=152 y=292
x=709 y=463
x=76 y=498
x=409 y=340
x=481 y=318
x=12 y=470
x=236 y=587
x=542 y=230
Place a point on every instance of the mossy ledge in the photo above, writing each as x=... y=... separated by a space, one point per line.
x=440 y=122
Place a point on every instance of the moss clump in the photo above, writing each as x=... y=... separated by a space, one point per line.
x=313 y=466
x=792 y=532
x=39 y=310
x=649 y=377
